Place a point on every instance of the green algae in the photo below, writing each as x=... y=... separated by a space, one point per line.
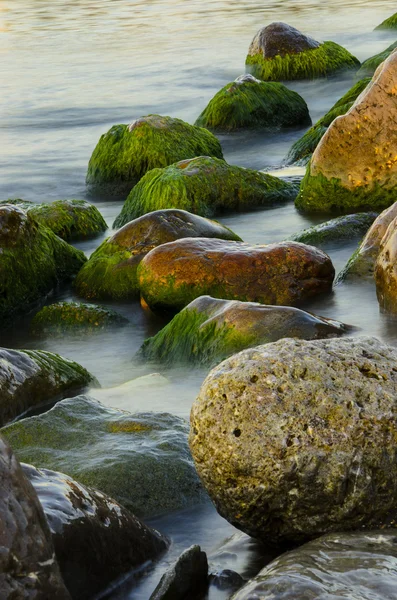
x=248 y=102
x=342 y=228
x=126 y=152
x=370 y=65
x=390 y=23
x=310 y=64
x=204 y=186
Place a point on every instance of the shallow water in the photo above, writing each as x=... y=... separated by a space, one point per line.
x=71 y=69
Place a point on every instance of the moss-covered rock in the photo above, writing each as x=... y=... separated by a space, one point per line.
x=174 y=274
x=347 y=227
x=390 y=23
x=248 y=102
x=142 y=460
x=68 y=219
x=281 y=52
x=204 y=186
x=296 y=439
x=31 y=378
x=74 y=317
x=126 y=152
x=303 y=148
x=209 y=330
x=370 y=65
x=34 y=261
x=354 y=167
x=110 y=272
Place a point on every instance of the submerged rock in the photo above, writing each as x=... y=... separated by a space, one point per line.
x=347 y=227
x=126 y=152
x=248 y=102
x=111 y=271
x=186 y=578
x=204 y=186
x=174 y=274
x=28 y=568
x=75 y=318
x=296 y=439
x=142 y=460
x=96 y=539
x=370 y=65
x=32 y=378
x=354 y=167
x=355 y=566
x=209 y=330
x=281 y=52
x=390 y=23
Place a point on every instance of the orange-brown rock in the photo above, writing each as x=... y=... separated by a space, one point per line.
x=386 y=269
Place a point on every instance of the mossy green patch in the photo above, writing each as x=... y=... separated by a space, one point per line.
x=370 y=65
x=390 y=23
x=310 y=64
x=128 y=427
x=342 y=228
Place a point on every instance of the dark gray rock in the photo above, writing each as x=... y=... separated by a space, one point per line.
x=186 y=579
x=280 y=39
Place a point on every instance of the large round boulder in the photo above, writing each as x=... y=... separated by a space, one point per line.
x=174 y=274
x=281 y=52
x=111 y=271
x=354 y=167
x=126 y=152
x=296 y=439
x=248 y=102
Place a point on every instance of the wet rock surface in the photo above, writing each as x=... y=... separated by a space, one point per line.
x=341 y=228
x=188 y=578
x=370 y=65
x=385 y=270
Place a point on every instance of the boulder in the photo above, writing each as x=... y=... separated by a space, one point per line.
x=28 y=568
x=302 y=150
x=296 y=439
x=370 y=65
x=34 y=261
x=74 y=318
x=250 y=103
x=110 y=272
x=96 y=540
x=347 y=227
x=355 y=566
x=204 y=186
x=174 y=274
x=142 y=460
x=354 y=167
x=69 y=219
x=209 y=330
x=186 y=578
x=386 y=270
x=126 y=152
x=390 y=23
x=281 y=52
x=30 y=379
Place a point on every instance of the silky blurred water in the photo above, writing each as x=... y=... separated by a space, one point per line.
x=71 y=69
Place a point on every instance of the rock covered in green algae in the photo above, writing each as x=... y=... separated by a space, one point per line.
x=354 y=167
x=281 y=52
x=347 y=227
x=296 y=439
x=209 y=330
x=96 y=539
x=142 y=460
x=33 y=262
x=354 y=566
x=28 y=569
x=74 y=317
x=248 y=102
x=126 y=152
x=370 y=65
x=68 y=219
x=304 y=147
x=204 y=186
x=174 y=274
x=390 y=23
x=111 y=271
x=31 y=378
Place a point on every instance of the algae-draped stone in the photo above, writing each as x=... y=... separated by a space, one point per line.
x=386 y=271
x=28 y=569
x=281 y=52
x=248 y=102
x=389 y=23
x=354 y=167
x=96 y=539
x=69 y=219
x=174 y=274
x=74 y=318
x=126 y=152
x=31 y=378
x=298 y=438
x=355 y=566
x=110 y=272
x=204 y=186
x=347 y=227
x=209 y=330
x=304 y=147
x=141 y=460
x=370 y=65
x=33 y=262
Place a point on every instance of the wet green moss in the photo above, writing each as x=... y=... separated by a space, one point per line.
x=342 y=228
x=370 y=65
x=390 y=23
x=310 y=64
x=204 y=186
x=73 y=317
